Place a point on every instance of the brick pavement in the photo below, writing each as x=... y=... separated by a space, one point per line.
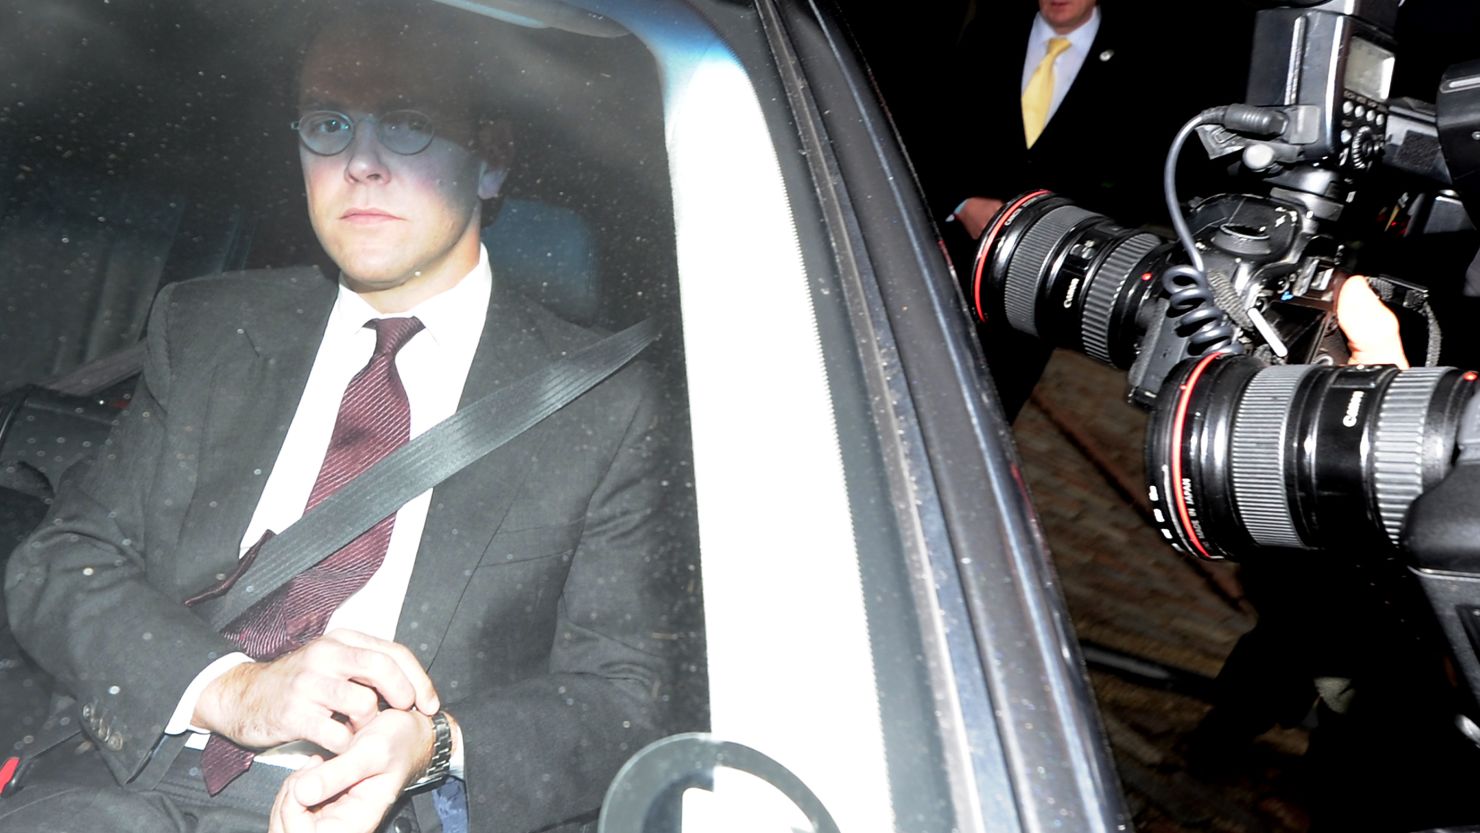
x=1081 y=445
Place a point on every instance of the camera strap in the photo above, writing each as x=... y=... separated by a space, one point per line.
x=1228 y=300
x=1402 y=297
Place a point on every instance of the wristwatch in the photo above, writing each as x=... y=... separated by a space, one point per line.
x=441 y=753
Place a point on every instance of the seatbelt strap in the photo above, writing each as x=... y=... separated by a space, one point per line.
x=443 y=450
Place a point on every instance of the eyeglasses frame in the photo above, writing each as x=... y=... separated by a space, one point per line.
x=379 y=121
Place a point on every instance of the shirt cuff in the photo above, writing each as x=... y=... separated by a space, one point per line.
x=180 y=720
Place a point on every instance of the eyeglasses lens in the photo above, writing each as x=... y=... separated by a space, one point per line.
x=405 y=131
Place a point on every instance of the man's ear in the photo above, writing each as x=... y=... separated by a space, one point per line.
x=496 y=147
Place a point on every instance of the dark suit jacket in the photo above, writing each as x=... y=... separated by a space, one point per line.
x=1103 y=146
x=546 y=594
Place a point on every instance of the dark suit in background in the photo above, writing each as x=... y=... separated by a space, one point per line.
x=545 y=602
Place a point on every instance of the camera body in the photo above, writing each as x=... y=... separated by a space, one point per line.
x=1328 y=67
x=1051 y=269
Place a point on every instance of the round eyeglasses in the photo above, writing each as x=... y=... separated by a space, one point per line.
x=326 y=132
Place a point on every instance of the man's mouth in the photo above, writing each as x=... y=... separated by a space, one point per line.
x=367 y=216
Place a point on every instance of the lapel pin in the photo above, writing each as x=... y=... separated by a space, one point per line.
x=1107 y=55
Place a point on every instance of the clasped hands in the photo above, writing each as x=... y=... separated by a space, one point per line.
x=330 y=692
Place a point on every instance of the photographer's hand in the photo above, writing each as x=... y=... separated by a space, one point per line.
x=975 y=213
x=1371 y=329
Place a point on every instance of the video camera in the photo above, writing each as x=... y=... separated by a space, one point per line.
x=1261 y=438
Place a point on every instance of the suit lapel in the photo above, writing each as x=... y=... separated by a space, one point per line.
x=468 y=507
x=255 y=390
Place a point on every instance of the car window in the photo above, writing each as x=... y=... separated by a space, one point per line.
x=658 y=174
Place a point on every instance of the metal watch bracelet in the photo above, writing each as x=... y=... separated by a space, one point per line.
x=441 y=762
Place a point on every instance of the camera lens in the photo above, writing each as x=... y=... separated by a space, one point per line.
x=1068 y=276
x=1245 y=456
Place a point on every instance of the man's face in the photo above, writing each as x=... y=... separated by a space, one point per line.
x=404 y=226
x=1066 y=15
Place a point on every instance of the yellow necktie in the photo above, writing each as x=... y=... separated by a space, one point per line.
x=1039 y=92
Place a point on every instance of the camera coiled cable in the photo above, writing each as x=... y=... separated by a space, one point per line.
x=1203 y=305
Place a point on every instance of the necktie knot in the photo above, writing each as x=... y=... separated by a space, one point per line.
x=1056 y=46
x=391 y=334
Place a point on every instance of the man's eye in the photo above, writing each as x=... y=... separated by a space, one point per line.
x=328 y=125
x=407 y=123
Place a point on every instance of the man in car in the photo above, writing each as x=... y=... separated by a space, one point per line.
x=484 y=658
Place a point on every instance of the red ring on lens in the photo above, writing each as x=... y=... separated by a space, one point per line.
x=986 y=246
x=1178 y=420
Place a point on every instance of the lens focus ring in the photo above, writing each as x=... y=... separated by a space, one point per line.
x=1257 y=455
x=1025 y=270
x=1397 y=446
x=1105 y=288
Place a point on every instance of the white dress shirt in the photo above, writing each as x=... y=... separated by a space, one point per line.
x=433 y=367
x=1067 y=65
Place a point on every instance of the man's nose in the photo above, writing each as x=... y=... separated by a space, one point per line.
x=365 y=156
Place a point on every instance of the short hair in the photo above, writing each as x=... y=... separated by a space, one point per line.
x=480 y=59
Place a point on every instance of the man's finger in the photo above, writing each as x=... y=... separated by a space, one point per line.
x=289 y=815
x=423 y=692
x=333 y=656
x=357 y=702
x=307 y=789
x=348 y=813
x=338 y=775
x=328 y=733
x=1370 y=328
x=276 y=822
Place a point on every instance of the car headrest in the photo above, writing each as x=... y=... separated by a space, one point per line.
x=548 y=253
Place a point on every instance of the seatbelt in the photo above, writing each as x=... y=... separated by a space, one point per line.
x=440 y=452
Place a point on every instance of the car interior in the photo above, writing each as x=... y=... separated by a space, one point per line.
x=148 y=144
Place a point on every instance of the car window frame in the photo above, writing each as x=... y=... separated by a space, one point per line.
x=974 y=532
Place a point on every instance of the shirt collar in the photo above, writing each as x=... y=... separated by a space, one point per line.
x=453 y=318
x=1080 y=39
